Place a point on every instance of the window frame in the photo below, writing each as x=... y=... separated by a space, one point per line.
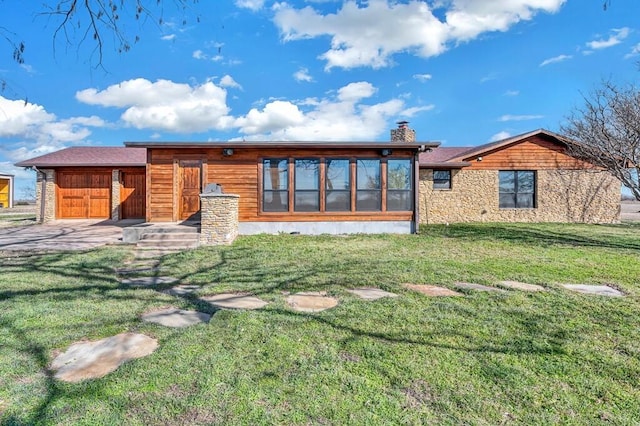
x=408 y=191
x=345 y=191
x=265 y=191
x=297 y=191
x=448 y=181
x=516 y=190
x=378 y=190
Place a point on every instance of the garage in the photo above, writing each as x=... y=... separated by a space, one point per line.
x=83 y=195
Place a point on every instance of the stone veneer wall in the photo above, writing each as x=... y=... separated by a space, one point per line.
x=50 y=197
x=562 y=196
x=218 y=218
x=115 y=194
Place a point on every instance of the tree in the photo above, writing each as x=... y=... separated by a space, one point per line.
x=606 y=132
x=96 y=22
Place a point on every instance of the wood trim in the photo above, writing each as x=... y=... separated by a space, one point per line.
x=176 y=185
x=148 y=187
x=291 y=169
x=416 y=192
x=322 y=183
x=383 y=185
x=260 y=185
x=353 y=183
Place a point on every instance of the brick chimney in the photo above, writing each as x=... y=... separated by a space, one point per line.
x=403 y=133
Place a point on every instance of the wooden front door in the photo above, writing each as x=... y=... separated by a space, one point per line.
x=133 y=194
x=84 y=195
x=190 y=187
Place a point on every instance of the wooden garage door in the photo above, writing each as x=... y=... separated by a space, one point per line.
x=84 y=195
x=132 y=194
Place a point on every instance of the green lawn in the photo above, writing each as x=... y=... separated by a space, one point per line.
x=554 y=357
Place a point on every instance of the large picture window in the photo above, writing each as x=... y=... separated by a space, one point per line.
x=307 y=186
x=517 y=189
x=275 y=181
x=368 y=186
x=399 y=183
x=337 y=186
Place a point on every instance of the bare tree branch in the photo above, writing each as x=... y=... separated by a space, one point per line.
x=606 y=132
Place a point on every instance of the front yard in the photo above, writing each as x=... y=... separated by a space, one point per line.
x=484 y=358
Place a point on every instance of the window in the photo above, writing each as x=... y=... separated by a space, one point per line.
x=368 y=188
x=399 y=183
x=442 y=179
x=307 y=186
x=337 y=186
x=275 y=181
x=517 y=189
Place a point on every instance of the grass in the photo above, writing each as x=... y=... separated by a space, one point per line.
x=555 y=357
x=17 y=219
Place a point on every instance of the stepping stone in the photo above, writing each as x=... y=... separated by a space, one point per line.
x=181 y=290
x=138 y=269
x=234 y=301
x=174 y=317
x=516 y=285
x=311 y=301
x=600 y=290
x=370 y=293
x=91 y=360
x=478 y=287
x=148 y=281
x=432 y=290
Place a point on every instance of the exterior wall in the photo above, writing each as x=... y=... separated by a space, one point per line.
x=115 y=194
x=6 y=191
x=219 y=219
x=333 y=228
x=239 y=174
x=46 y=179
x=585 y=195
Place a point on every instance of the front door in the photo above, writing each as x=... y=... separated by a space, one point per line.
x=190 y=187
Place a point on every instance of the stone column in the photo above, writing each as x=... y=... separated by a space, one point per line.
x=218 y=218
x=46 y=181
x=115 y=194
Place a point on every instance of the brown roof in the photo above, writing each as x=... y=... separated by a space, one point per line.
x=440 y=156
x=86 y=156
x=285 y=144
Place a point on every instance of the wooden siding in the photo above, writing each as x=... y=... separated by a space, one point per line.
x=240 y=174
x=534 y=153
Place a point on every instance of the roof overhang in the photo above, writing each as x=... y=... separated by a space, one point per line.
x=446 y=165
x=28 y=163
x=414 y=146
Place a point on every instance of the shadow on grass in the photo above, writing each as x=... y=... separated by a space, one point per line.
x=541 y=234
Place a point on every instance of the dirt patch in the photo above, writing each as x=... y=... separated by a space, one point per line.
x=418 y=394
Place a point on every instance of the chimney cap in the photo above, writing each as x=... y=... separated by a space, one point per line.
x=402 y=123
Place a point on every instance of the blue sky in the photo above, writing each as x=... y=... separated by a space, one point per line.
x=462 y=72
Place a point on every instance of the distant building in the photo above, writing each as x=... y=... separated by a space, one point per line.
x=6 y=191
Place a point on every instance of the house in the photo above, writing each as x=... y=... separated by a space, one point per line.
x=328 y=187
x=6 y=191
x=526 y=178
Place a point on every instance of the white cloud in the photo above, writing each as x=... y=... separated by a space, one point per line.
x=199 y=54
x=303 y=75
x=509 y=117
x=422 y=77
x=618 y=35
x=164 y=105
x=340 y=117
x=228 y=81
x=254 y=5
x=499 y=136
x=168 y=37
x=370 y=33
x=555 y=59
x=412 y=111
x=512 y=93
x=635 y=51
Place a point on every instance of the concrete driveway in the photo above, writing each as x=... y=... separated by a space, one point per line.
x=62 y=235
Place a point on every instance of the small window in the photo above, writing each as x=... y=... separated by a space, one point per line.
x=517 y=189
x=368 y=187
x=399 y=184
x=275 y=185
x=337 y=186
x=307 y=186
x=442 y=179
